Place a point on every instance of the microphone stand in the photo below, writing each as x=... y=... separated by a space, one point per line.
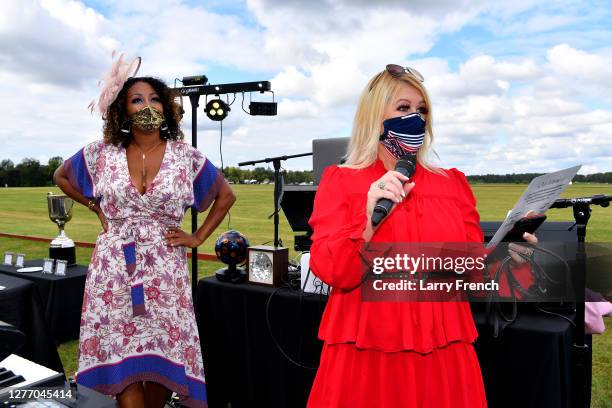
x=582 y=352
x=277 y=187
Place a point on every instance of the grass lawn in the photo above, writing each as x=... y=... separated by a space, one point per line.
x=24 y=211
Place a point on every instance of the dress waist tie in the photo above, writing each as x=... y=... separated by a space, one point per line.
x=137 y=232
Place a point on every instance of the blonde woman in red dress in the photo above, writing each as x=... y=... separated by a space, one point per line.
x=393 y=354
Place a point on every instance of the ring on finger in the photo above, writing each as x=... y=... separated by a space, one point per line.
x=381 y=185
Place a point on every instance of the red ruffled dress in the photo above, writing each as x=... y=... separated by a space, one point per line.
x=392 y=354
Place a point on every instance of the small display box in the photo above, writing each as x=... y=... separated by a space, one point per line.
x=268 y=265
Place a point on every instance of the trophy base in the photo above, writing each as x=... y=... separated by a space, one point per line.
x=66 y=254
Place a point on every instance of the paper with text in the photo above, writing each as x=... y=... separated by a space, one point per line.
x=540 y=194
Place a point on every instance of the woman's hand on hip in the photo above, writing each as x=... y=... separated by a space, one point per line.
x=388 y=186
x=177 y=237
x=101 y=217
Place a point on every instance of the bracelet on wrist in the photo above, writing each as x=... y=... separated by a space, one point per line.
x=91 y=204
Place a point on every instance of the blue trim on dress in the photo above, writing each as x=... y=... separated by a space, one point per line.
x=78 y=174
x=206 y=186
x=110 y=377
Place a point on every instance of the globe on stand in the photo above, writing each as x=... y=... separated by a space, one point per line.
x=231 y=249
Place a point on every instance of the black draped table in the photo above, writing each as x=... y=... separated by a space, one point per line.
x=530 y=363
x=528 y=366
x=21 y=307
x=241 y=362
x=61 y=297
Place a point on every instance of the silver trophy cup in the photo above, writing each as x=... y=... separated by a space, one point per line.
x=60 y=212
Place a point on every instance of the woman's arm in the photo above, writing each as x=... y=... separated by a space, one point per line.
x=61 y=180
x=338 y=232
x=223 y=202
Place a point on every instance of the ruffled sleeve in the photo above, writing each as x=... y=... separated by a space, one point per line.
x=80 y=168
x=467 y=200
x=337 y=233
x=206 y=178
x=471 y=220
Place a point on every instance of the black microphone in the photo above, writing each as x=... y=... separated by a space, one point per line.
x=405 y=165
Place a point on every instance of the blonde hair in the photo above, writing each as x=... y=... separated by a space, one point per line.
x=377 y=95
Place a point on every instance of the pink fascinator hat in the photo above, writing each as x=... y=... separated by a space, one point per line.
x=112 y=82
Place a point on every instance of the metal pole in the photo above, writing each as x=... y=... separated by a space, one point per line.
x=582 y=352
x=277 y=193
x=194 y=98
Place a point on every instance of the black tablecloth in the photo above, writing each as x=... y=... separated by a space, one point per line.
x=62 y=297
x=528 y=366
x=241 y=362
x=20 y=306
x=530 y=363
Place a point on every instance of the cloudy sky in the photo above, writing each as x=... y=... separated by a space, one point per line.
x=517 y=86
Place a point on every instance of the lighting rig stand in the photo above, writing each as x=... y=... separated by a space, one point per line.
x=194 y=88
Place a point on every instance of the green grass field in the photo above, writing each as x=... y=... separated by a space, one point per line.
x=24 y=211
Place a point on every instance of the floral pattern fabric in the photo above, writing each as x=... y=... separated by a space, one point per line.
x=138 y=321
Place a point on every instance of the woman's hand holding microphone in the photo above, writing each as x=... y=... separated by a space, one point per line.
x=391 y=186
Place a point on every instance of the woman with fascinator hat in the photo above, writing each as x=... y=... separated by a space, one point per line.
x=139 y=339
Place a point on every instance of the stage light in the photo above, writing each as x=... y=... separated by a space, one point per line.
x=216 y=109
x=262 y=108
x=195 y=80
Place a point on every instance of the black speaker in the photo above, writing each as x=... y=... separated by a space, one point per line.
x=326 y=152
x=11 y=340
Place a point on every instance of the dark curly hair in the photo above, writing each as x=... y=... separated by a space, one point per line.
x=116 y=116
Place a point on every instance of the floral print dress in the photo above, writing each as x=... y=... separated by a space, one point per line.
x=138 y=321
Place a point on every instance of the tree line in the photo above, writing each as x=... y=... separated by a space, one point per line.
x=28 y=173
x=525 y=178
x=266 y=174
x=31 y=173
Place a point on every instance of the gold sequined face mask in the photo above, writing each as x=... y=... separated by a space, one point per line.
x=148 y=119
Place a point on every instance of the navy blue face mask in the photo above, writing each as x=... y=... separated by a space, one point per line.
x=403 y=134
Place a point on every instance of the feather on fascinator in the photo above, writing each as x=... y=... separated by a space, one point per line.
x=112 y=82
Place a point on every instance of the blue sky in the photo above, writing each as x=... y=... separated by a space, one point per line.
x=521 y=86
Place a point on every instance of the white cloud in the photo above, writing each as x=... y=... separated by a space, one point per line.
x=482 y=75
x=184 y=39
x=291 y=81
x=581 y=65
x=42 y=45
x=288 y=109
x=486 y=67
x=333 y=53
x=75 y=15
x=528 y=106
x=531 y=100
